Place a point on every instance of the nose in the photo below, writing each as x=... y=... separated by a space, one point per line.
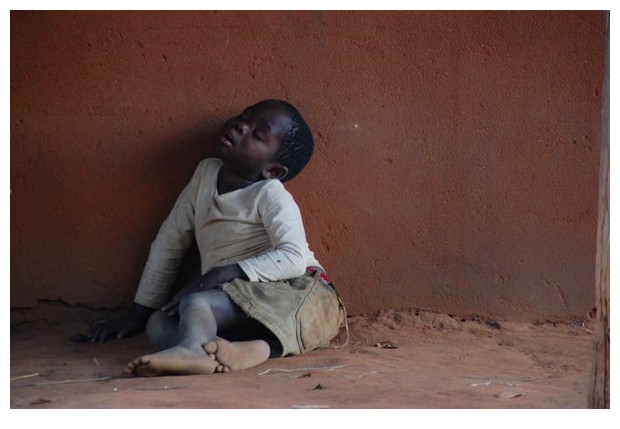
x=241 y=126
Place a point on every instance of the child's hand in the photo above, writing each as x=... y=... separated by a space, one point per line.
x=104 y=330
x=172 y=307
x=207 y=281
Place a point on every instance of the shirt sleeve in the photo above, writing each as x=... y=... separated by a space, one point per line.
x=282 y=220
x=175 y=236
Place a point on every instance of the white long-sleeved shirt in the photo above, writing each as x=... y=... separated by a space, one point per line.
x=259 y=227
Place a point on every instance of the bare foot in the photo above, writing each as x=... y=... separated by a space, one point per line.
x=174 y=361
x=238 y=355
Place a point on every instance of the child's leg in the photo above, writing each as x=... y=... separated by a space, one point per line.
x=163 y=330
x=201 y=316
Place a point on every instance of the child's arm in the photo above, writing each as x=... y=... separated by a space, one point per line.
x=283 y=222
x=166 y=254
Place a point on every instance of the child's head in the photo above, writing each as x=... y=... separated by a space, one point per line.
x=297 y=145
x=269 y=139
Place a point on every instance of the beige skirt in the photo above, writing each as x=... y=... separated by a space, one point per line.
x=303 y=313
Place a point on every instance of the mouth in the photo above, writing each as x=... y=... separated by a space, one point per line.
x=227 y=138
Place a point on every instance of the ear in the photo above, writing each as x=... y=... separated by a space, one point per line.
x=275 y=171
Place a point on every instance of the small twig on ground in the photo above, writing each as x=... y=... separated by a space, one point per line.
x=364 y=374
x=19 y=377
x=317 y=368
x=160 y=388
x=485 y=383
x=46 y=383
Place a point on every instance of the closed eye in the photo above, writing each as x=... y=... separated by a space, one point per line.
x=259 y=136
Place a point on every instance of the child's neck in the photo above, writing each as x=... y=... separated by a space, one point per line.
x=228 y=181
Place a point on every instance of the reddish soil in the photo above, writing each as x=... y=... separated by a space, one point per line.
x=439 y=362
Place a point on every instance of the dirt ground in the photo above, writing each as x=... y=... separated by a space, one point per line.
x=393 y=360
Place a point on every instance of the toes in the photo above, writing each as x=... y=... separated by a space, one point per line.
x=222 y=369
x=136 y=367
x=132 y=367
x=210 y=348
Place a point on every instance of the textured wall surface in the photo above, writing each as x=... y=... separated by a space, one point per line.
x=457 y=152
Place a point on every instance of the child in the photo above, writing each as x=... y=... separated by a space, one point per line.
x=263 y=294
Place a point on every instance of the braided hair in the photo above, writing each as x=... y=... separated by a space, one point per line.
x=297 y=144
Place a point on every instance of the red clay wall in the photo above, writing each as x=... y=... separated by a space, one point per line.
x=457 y=152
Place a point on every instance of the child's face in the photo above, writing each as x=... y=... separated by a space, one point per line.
x=248 y=143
